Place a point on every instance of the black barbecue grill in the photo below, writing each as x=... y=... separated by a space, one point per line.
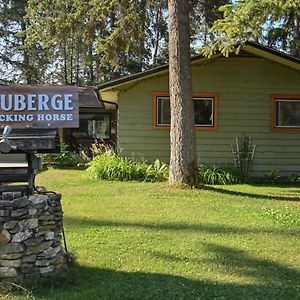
x=34 y=114
x=18 y=160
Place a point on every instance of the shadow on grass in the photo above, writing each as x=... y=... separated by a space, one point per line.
x=207 y=228
x=229 y=266
x=250 y=195
x=240 y=263
x=275 y=282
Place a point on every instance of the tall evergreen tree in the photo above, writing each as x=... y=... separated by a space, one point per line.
x=271 y=22
x=183 y=162
x=111 y=37
x=285 y=34
x=100 y=40
x=203 y=13
x=64 y=27
x=19 y=64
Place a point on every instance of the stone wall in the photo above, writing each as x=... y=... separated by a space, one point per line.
x=30 y=236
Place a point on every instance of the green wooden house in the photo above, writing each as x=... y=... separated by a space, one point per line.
x=256 y=93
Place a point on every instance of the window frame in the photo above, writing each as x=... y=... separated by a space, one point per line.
x=214 y=96
x=97 y=113
x=281 y=97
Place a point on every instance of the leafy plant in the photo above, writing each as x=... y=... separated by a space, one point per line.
x=64 y=158
x=272 y=176
x=100 y=147
x=214 y=175
x=109 y=165
x=295 y=177
x=157 y=171
x=243 y=154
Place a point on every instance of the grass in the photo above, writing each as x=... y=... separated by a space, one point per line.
x=146 y=241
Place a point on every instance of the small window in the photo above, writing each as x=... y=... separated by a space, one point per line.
x=163 y=111
x=95 y=126
x=286 y=113
x=204 y=108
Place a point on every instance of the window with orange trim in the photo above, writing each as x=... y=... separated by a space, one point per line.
x=286 y=112
x=204 y=108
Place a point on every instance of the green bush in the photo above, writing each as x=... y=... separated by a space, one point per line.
x=110 y=166
x=64 y=158
x=294 y=177
x=214 y=175
x=271 y=177
x=157 y=172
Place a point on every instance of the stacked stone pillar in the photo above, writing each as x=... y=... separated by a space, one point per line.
x=30 y=236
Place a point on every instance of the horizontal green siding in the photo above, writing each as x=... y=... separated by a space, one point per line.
x=244 y=87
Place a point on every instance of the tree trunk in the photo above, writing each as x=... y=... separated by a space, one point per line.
x=183 y=162
x=157 y=35
x=66 y=82
x=296 y=35
x=26 y=63
x=91 y=65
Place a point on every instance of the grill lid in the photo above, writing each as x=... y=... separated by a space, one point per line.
x=29 y=139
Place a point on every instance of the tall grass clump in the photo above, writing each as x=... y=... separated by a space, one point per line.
x=214 y=175
x=110 y=166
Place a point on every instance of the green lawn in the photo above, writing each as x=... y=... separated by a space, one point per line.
x=147 y=241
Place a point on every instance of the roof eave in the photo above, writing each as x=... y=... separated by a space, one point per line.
x=273 y=55
x=251 y=47
x=131 y=79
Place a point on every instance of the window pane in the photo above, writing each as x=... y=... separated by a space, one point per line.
x=163 y=111
x=287 y=113
x=204 y=108
x=96 y=126
x=203 y=111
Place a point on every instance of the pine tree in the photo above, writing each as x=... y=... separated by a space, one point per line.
x=19 y=64
x=270 y=22
x=183 y=164
x=99 y=40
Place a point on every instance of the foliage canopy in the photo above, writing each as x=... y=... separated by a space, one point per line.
x=275 y=23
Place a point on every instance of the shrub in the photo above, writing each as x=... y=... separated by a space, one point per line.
x=214 y=175
x=110 y=166
x=243 y=154
x=294 y=177
x=157 y=171
x=271 y=177
x=64 y=158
